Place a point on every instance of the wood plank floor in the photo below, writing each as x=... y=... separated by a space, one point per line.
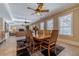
x=8 y=48
x=70 y=50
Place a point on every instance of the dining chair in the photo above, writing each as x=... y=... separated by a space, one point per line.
x=40 y=32
x=35 y=43
x=46 y=32
x=29 y=41
x=27 y=36
x=51 y=42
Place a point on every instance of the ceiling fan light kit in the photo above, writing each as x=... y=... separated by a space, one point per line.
x=38 y=13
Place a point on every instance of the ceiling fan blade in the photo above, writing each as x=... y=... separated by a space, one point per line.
x=40 y=5
x=31 y=8
x=34 y=13
x=44 y=10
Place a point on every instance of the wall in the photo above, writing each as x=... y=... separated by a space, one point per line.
x=1 y=24
x=75 y=22
x=17 y=27
x=1 y=29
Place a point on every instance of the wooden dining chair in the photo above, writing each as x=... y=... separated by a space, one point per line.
x=46 y=32
x=35 y=43
x=40 y=32
x=29 y=40
x=51 y=42
x=27 y=36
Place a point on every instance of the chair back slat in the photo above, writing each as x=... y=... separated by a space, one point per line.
x=40 y=32
x=54 y=36
x=31 y=35
x=27 y=36
x=47 y=32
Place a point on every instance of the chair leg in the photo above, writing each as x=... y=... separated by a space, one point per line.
x=40 y=48
x=30 y=48
x=48 y=51
x=55 y=51
x=33 y=48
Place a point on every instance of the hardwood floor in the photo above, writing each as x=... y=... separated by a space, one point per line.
x=70 y=50
x=8 y=48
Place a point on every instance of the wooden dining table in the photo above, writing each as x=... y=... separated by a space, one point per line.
x=41 y=37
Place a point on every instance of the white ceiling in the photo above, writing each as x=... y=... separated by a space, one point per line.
x=4 y=12
x=19 y=11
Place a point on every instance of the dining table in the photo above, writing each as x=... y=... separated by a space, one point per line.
x=41 y=37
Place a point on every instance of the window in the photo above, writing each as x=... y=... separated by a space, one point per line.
x=65 y=23
x=50 y=25
x=42 y=26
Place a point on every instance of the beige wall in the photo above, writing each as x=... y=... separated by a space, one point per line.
x=1 y=29
x=75 y=22
x=1 y=24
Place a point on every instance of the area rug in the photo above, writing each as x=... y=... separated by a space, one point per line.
x=52 y=53
x=23 y=52
x=44 y=52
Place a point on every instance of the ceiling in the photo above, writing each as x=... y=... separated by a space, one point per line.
x=19 y=11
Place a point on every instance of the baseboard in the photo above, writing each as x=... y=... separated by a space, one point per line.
x=76 y=43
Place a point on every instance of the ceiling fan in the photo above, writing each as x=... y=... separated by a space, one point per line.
x=25 y=23
x=39 y=9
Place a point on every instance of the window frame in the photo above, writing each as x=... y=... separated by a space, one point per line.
x=71 y=34
x=42 y=25
x=50 y=28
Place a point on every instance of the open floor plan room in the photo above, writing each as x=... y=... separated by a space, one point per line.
x=39 y=29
